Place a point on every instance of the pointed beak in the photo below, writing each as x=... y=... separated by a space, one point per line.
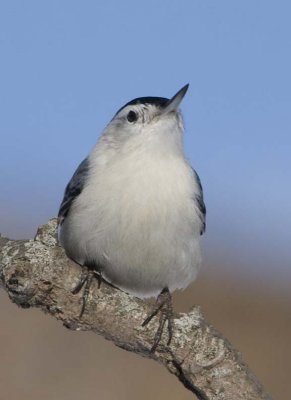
x=174 y=103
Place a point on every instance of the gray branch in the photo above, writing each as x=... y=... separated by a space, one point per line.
x=37 y=273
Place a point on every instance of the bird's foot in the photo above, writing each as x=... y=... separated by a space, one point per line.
x=85 y=281
x=165 y=310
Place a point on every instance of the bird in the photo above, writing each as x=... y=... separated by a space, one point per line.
x=133 y=211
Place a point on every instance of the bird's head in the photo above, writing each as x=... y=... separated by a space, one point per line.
x=147 y=118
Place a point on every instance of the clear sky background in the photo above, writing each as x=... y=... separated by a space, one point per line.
x=67 y=66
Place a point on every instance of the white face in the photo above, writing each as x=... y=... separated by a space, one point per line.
x=144 y=120
x=147 y=117
x=139 y=114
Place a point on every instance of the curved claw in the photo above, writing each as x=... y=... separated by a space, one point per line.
x=86 y=279
x=165 y=308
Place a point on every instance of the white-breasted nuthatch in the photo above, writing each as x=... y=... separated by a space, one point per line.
x=133 y=210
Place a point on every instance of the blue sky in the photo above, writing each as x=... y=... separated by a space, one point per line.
x=67 y=66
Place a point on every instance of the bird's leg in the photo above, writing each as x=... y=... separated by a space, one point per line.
x=165 y=308
x=82 y=280
x=85 y=280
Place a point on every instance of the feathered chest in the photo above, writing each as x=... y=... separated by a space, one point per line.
x=141 y=189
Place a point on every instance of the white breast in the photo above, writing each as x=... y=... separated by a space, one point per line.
x=136 y=218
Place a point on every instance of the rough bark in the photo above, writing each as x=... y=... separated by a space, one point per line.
x=37 y=273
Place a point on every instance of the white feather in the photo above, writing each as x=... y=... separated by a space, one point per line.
x=136 y=216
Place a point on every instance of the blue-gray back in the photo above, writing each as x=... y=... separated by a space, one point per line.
x=74 y=188
x=200 y=203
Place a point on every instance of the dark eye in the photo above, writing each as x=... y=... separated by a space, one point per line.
x=131 y=116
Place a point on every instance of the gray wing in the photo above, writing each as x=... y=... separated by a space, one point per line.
x=200 y=203
x=73 y=189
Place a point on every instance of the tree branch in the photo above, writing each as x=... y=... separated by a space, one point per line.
x=37 y=273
